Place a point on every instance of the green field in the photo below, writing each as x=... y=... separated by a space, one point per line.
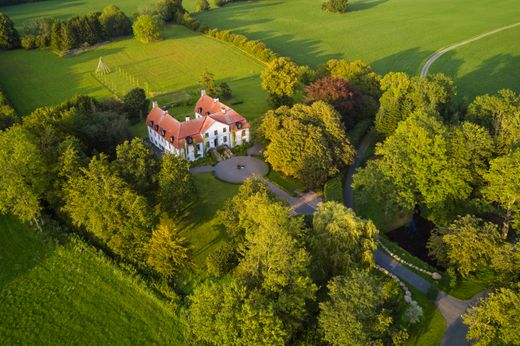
x=35 y=78
x=492 y=63
x=69 y=294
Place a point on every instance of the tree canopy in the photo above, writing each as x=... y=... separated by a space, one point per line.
x=146 y=29
x=281 y=78
x=9 y=37
x=115 y=22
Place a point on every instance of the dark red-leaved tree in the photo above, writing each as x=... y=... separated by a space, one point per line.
x=341 y=95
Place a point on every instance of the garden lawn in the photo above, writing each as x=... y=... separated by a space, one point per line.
x=200 y=227
x=36 y=78
x=392 y=35
x=430 y=331
x=493 y=62
x=70 y=294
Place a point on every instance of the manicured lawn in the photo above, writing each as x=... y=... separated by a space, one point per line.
x=200 y=227
x=466 y=288
x=493 y=61
x=70 y=294
x=430 y=330
x=35 y=78
x=395 y=35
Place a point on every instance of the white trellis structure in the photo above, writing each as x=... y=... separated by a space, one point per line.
x=102 y=68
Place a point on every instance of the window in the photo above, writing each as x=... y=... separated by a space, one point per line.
x=243 y=133
x=200 y=110
x=156 y=127
x=189 y=140
x=225 y=139
x=224 y=130
x=238 y=124
x=206 y=135
x=151 y=123
x=207 y=113
x=171 y=139
x=216 y=132
x=163 y=132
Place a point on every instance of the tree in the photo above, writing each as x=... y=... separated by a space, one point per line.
x=494 y=321
x=109 y=209
x=503 y=187
x=339 y=6
x=135 y=104
x=358 y=311
x=225 y=91
x=306 y=142
x=274 y=260
x=202 y=5
x=500 y=115
x=281 y=78
x=226 y=314
x=8 y=115
x=168 y=9
x=338 y=93
x=467 y=244
x=222 y=260
x=115 y=22
x=9 y=38
x=168 y=252
x=403 y=96
x=23 y=175
x=138 y=165
x=175 y=184
x=207 y=82
x=146 y=29
x=356 y=73
x=340 y=241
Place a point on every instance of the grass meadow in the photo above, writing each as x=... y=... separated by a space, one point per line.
x=70 y=294
x=489 y=64
x=38 y=77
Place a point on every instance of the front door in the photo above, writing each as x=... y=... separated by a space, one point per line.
x=215 y=142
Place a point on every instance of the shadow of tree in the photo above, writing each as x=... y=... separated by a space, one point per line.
x=362 y=5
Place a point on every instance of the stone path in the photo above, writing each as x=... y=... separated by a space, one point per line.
x=434 y=57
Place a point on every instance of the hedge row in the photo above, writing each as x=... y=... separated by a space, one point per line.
x=256 y=48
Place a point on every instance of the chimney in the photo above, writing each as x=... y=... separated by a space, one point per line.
x=187 y=118
x=223 y=109
x=202 y=92
x=155 y=104
x=216 y=100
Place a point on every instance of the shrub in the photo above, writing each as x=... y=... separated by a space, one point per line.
x=29 y=42
x=339 y=6
x=413 y=313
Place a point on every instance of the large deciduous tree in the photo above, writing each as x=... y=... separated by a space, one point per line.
x=467 y=244
x=115 y=22
x=146 y=29
x=500 y=115
x=106 y=206
x=23 y=175
x=358 y=311
x=281 y=78
x=337 y=92
x=9 y=37
x=494 y=321
x=404 y=95
x=503 y=187
x=175 y=184
x=357 y=73
x=168 y=252
x=306 y=142
x=135 y=104
x=340 y=241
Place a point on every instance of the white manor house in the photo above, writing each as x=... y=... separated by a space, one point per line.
x=214 y=125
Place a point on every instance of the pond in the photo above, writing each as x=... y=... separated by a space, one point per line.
x=414 y=236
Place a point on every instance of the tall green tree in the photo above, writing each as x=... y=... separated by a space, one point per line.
x=340 y=241
x=23 y=175
x=306 y=142
x=494 y=321
x=175 y=184
x=137 y=164
x=503 y=187
x=106 y=206
x=8 y=115
x=357 y=73
x=168 y=252
x=9 y=37
x=226 y=314
x=359 y=310
x=500 y=114
x=404 y=95
x=135 y=104
x=146 y=29
x=467 y=244
x=281 y=79
x=115 y=22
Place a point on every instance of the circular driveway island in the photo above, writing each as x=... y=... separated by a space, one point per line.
x=239 y=168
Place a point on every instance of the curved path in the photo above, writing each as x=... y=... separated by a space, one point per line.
x=450 y=307
x=434 y=57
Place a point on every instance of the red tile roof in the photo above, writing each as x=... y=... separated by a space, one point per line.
x=194 y=128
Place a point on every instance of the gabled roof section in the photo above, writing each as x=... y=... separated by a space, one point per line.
x=213 y=108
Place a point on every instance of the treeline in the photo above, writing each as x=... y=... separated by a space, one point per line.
x=15 y=2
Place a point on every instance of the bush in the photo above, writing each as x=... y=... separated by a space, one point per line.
x=202 y=5
x=29 y=42
x=222 y=260
x=413 y=313
x=339 y=6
